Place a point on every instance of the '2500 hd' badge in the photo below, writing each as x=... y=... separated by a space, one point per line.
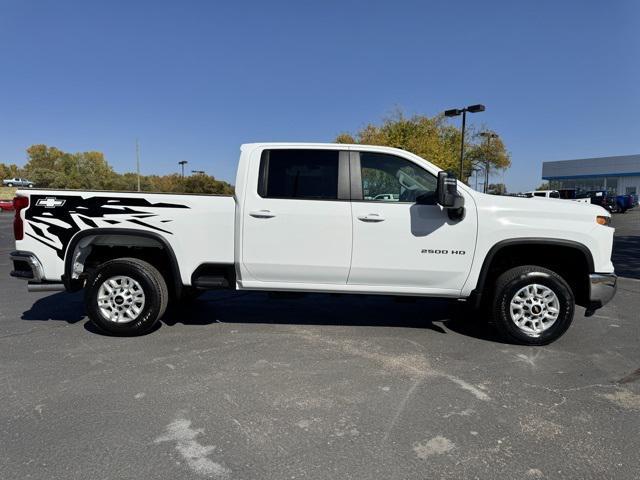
x=50 y=202
x=443 y=252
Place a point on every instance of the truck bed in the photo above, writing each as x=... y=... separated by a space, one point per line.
x=55 y=217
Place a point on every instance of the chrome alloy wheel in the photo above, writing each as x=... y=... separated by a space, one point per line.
x=534 y=309
x=120 y=299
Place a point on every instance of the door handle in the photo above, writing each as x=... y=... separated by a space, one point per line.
x=371 y=217
x=262 y=214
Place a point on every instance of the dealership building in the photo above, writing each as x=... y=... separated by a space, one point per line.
x=618 y=175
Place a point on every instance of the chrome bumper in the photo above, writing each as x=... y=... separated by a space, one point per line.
x=602 y=288
x=26 y=265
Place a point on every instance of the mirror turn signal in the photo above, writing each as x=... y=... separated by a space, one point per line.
x=602 y=220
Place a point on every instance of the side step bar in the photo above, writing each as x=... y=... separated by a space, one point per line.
x=211 y=282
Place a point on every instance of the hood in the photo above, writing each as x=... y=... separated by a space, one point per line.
x=540 y=206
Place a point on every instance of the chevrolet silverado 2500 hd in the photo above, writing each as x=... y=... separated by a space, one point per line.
x=320 y=218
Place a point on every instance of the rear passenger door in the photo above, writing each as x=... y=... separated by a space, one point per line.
x=297 y=217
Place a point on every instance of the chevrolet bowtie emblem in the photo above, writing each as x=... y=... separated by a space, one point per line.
x=50 y=202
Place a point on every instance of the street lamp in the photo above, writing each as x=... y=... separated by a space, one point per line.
x=488 y=136
x=454 y=113
x=182 y=163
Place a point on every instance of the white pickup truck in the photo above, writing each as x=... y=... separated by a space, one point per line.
x=320 y=218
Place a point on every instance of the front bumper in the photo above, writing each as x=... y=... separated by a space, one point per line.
x=602 y=288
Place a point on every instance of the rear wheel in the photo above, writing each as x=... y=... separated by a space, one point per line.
x=532 y=305
x=126 y=296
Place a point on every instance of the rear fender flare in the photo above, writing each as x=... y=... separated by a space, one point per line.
x=72 y=285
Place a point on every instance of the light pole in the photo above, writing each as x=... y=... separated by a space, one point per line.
x=454 y=113
x=488 y=136
x=182 y=163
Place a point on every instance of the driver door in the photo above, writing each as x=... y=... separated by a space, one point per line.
x=398 y=243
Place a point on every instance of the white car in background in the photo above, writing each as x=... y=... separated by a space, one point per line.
x=543 y=193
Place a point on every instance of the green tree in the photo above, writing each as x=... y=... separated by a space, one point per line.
x=42 y=157
x=482 y=152
x=433 y=139
x=9 y=171
x=50 y=167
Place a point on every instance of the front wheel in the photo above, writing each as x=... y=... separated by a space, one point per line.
x=9 y=185
x=126 y=297
x=31 y=185
x=532 y=305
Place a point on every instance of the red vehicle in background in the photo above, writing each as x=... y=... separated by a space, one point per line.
x=6 y=205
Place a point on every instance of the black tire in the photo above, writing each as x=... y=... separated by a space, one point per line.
x=512 y=281
x=31 y=185
x=149 y=279
x=9 y=185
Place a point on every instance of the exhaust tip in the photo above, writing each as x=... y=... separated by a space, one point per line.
x=45 y=287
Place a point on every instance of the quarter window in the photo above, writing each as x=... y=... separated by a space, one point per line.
x=303 y=174
x=387 y=178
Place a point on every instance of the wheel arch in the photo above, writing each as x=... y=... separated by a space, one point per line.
x=578 y=249
x=72 y=284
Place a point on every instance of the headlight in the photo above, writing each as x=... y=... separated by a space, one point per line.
x=602 y=220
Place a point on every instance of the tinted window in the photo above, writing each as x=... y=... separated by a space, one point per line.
x=387 y=178
x=309 y=174
x=540 y=194
x=554 y=194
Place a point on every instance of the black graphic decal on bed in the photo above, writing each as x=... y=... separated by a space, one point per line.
x=55 y=219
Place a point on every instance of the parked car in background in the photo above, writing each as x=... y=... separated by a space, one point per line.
x=6 y=205
x=601 y=198
x=18 y=182
x=568 y=193
x=625 y=202
x=543 y=193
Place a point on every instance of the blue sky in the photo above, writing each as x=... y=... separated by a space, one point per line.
x=194 y=79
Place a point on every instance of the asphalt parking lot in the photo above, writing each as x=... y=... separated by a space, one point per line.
x=243 y=386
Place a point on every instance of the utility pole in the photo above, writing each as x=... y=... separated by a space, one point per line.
x=138 y=162
x=182 y=163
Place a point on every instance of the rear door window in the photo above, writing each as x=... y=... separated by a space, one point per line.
x=299 y=174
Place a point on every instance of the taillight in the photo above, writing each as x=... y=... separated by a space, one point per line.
x=19 y=204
